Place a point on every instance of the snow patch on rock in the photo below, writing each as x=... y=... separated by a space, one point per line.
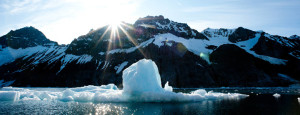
x=8 y=54
x=132 y=49
x=120 y=67
x=68 y=58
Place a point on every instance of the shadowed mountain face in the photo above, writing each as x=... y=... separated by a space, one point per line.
x=25 y=37
x=184 y=56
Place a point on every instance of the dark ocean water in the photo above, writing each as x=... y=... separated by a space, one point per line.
x=260 y=101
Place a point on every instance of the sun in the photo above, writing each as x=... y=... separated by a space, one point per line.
x=119 y=32
x=114 y=24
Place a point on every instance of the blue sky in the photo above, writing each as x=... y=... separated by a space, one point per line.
x=64 y=20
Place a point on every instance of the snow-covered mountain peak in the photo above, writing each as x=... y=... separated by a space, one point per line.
x=159 y=22
x=222 y=32
x=282 y=40
x=164 y=25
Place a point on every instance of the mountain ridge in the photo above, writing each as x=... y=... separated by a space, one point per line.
x=184 y=57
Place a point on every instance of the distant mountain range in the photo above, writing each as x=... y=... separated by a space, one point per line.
x=184 y=56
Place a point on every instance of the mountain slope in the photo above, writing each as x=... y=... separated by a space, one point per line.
x=24 y=37
x=184 y=56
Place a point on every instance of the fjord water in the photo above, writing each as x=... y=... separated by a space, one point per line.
x=143 y=93
x=259 y=101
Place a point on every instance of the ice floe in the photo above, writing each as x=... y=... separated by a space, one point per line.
x=141 y=83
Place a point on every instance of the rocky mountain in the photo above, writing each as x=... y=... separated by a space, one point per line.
x=184 y=56
x=25 y=37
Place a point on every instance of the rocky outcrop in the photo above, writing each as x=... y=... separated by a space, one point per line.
x=159 y=24
x=25 y=37
x=241 y=34
x=277 y=46
x=235 y=67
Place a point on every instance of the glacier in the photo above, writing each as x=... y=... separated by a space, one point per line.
x=141 y=83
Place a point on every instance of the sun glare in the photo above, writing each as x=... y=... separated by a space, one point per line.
x=114 y=25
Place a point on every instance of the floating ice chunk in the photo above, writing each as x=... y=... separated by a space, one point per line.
x=140 y=77
x=91 y=88
x=67 y=95
x=9 y=95
x=168 y=88
x=109 y=86
x=83 y=97
x=44 y=96
x=298 y=99
x=201 y=92
x=276 y=95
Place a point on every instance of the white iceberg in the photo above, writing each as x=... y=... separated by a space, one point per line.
x=141 y=77
x=141 y=83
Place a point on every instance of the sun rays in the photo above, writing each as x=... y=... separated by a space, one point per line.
x=118 y=33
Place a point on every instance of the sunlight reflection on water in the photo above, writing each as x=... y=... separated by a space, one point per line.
x=262 y=103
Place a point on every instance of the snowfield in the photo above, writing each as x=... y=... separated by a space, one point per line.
x=40 y=54
x=198 y=46
x=141 y=83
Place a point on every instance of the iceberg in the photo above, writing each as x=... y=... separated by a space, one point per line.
x=141 y=77
x=141 y=83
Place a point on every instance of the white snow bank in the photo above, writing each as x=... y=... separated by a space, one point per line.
x=141 y=82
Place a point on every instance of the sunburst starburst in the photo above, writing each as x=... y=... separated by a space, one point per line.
x=116 y=28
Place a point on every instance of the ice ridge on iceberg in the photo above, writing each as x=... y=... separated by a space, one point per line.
x=141 y=83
